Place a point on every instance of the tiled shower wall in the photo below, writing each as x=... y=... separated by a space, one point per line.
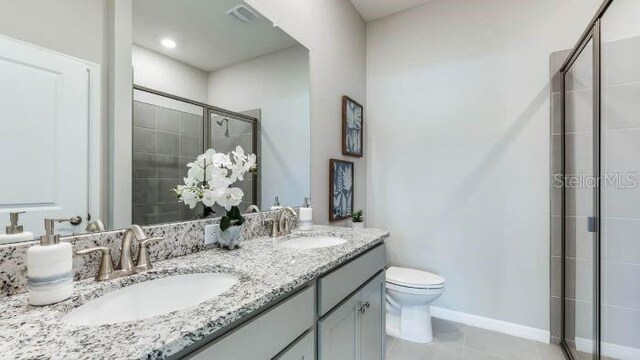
x=164 y=142
x=621 y=202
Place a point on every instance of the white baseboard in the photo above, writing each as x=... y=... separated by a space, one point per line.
x=609 y=350
x=492 y=324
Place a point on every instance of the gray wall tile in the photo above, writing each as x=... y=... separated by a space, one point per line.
x=191 y=125
x=168 y=212
x=621 y=106
x=144 y=140
x=144 y=191
x=182 y=164
x=164 y=187
x=144 y=165
x=167 y=166
x=621 y=326
x=144 y=214
x=620 y=61
x=190 y=146
x=622 y=243
x=187 y=213
x=168 y=120
x=168 y=144
x=144 y=115
x=621 y=284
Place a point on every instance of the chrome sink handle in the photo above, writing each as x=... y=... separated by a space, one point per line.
x=274 y=227
x=144 y=263
x=105 y=272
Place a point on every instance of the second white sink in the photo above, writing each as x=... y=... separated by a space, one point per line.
x=151 y=298
x=305 y=243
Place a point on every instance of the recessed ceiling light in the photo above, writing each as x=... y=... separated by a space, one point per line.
x=168 y=43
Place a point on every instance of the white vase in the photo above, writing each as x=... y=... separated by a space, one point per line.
x=357 y=225
x=230 y=238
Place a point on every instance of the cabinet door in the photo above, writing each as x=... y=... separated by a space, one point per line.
x=304 y=349
x=373 y=319
x=339 y=332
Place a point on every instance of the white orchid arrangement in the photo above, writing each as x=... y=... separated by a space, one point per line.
x=209 y=181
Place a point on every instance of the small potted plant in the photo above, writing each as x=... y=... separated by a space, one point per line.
x=209 y=182
x=357 y=220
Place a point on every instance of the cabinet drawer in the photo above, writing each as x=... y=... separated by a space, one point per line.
x=265 y=336
x=338 y=284
x=303 y=349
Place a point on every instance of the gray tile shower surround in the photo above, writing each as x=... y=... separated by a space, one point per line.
x=266 y=270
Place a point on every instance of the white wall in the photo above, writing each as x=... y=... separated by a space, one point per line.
x=159 y=72
x=72 y=27
x=458 y=95
x=278 y=84
x=335 y=35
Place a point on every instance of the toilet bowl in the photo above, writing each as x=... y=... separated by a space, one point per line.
x=409 y=295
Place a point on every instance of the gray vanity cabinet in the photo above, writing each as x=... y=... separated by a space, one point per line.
x=373 y=320
x=339 y=316
x=303 y=349
x=355 y=329
x=338 y=332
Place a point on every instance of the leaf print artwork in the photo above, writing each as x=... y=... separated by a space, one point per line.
x=341 y=199
x=352 y=128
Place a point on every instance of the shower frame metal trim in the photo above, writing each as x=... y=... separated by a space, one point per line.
x=592 y=33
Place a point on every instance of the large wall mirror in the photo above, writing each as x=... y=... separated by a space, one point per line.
x=104 y=103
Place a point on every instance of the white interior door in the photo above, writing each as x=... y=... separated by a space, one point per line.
x=44 y=125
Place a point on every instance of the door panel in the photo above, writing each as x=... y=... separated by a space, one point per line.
x=338 y=332
x=373 y=320
x=44 y=117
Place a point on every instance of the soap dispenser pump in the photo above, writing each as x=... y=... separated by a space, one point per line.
x=276 y=204
x=15 y=232
x=49 y=268
x=305 y=217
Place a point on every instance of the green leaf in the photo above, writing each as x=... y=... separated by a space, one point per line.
x=225 y=223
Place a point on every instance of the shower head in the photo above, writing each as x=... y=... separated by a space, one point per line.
x=226 y=122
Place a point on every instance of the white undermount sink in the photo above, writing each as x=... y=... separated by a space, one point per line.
x=151 y=298
x=305 y=243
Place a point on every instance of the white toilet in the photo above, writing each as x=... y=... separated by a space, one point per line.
x=409 y=295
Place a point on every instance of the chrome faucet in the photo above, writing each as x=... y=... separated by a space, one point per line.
x=279 y=225
x=252 y=208
x=283 y=223
x=126 y=248
x=125 y=265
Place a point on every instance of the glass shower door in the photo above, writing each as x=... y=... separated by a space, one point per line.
x=580 y=210
x=226 y=132
x=620 y=198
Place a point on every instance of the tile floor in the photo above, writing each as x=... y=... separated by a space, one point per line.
x=453 y=341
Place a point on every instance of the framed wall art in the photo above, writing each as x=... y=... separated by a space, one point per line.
x=340 y=189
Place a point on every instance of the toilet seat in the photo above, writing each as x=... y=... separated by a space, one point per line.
x=413 y=279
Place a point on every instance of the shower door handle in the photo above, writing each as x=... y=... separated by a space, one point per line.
x=591 y=224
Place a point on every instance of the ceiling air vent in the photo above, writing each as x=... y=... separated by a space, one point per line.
x=243 y=14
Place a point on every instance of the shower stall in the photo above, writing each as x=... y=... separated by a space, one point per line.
x=595 y=195
x=168 y=133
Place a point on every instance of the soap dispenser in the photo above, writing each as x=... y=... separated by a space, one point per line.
x=305 y=217
x=49 y=268
x=276 y=204
x=14 y=232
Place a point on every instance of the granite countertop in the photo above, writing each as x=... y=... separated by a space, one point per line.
x=266 y=271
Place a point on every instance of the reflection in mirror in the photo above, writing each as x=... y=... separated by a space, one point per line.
x=206 y=75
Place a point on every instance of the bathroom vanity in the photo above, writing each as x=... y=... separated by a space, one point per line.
x=288 y=303
x=343 y=310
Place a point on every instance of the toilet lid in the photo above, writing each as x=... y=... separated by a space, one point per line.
x=413 y=278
